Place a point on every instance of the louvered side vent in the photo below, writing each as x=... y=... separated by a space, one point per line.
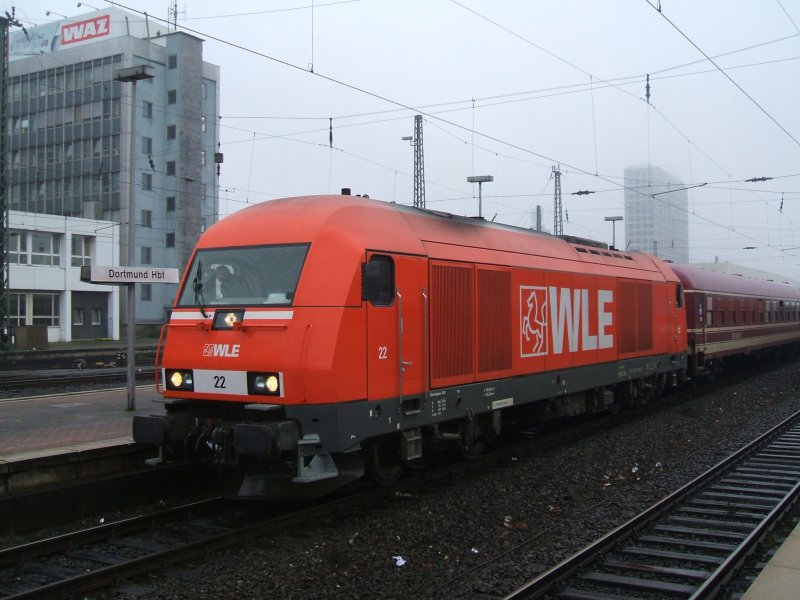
x=635 y=316
x=644 y=316
x=627 y=317
x=451 y=322
x=494 y=320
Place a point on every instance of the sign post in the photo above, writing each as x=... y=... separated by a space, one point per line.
x=129 y=276
x=132 y=75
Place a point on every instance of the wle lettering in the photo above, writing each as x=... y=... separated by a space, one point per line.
x=85 y=30
x=569 y=312
x=221 y=350
x=562 y=320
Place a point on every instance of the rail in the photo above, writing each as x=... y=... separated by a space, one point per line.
x=691 y=542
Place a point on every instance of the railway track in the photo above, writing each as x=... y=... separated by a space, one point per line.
x=37 y=379
x=102 y=556
x=97 y=557
x=690 y=543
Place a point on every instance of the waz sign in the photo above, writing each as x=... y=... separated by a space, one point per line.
x=89 y=29
x=556 y=320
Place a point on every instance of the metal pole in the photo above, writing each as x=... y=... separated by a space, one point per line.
x=480 y=199
x=131 y=318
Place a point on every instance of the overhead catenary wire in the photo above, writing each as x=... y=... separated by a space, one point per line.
x=401 y=105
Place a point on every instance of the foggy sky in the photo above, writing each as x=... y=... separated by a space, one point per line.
x=511 y=89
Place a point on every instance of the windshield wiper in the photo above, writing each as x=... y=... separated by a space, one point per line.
x=197 y=286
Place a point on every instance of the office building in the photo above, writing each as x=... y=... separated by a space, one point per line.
x=69 y=141
x=656 y=214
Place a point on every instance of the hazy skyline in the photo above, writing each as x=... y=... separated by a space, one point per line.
x=511 y=89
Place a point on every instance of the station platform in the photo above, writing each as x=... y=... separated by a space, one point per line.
x=73 y=422
x=780 y=579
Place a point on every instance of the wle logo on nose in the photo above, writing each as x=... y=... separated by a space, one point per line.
x=224 y=350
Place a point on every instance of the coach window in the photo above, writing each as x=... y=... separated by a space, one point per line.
x=377 y=281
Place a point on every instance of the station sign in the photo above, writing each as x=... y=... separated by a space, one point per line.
x=122 y=275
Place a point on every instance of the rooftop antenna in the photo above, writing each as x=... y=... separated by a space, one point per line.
x=172 y=15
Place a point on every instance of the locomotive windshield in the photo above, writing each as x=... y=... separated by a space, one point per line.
x=265 y=275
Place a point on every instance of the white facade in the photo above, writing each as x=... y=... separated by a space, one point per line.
x=46 y=253
x=656 y=214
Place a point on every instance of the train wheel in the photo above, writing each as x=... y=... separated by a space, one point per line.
x=383 y=461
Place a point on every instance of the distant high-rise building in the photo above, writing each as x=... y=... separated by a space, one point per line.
x=69 y=141
x=656 y=213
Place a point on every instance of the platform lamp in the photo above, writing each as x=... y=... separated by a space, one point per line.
x=480 y=180
x=132 y=75
x=614 y=230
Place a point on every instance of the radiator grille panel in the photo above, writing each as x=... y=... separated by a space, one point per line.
x=635 y=316
x=494 y=320
x=452 y=318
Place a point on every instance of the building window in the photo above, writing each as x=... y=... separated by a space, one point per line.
x=171 y=131
x=147 y=255
x=77 y=316
x=147 y=145
x=203 y=123
x=45 y=249
x=203 y=158
x=204 y=89
x=18 y=248
x=170 y=241
x=172 y=96
x=170 y=203
x=170 y=167
x=172 y=61
x=81 y=251
x=146 y=291
x=147 y=218
x=147 y=110
x=45 y=310
x=97 y=316
x=147 y=181
x=17 y=309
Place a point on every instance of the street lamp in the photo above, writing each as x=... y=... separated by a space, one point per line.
x=52 y=12
x=132 y=75
x=614 y=230
x=86 y=4
x=480 y=180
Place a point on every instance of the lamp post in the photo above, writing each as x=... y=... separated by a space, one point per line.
x=52 y=12
x=87 y=4
x=132 y=75
x=480 y=180
x=614 y=230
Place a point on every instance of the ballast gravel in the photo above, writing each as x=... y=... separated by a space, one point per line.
x=483 y=534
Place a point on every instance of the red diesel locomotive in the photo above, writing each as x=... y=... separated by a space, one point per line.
x=314 y=339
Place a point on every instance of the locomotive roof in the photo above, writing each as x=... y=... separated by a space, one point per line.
x=695 y=278
x=376 y=225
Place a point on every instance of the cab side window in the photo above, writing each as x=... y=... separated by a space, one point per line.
x=377 y=280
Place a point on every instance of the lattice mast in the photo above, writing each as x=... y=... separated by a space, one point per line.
x=419 y=164
x=5 y=287
x=558 y=219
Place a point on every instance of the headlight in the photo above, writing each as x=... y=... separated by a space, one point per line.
x=179 y=380
x=265 y=384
